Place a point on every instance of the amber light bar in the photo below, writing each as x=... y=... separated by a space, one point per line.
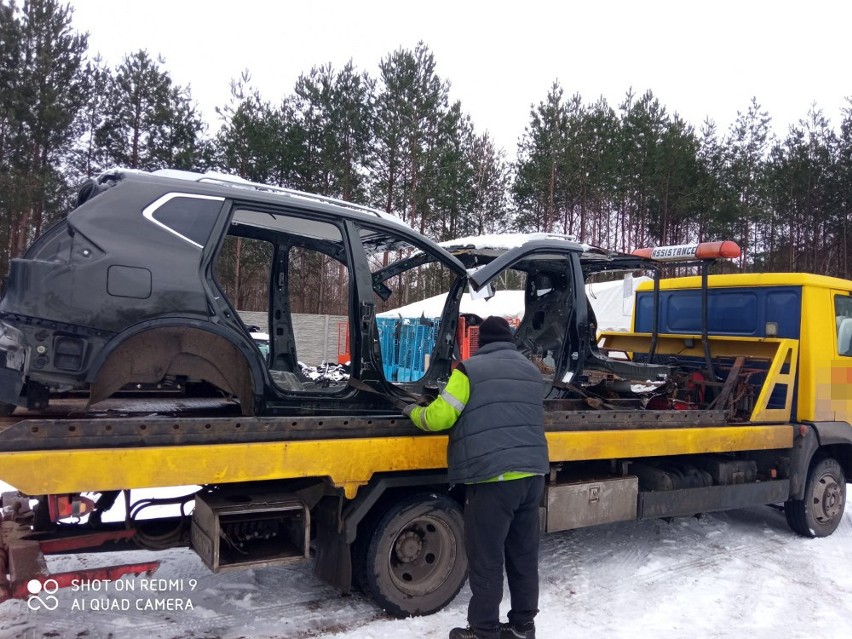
x=681 y=252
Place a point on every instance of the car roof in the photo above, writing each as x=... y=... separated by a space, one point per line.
x=233 y=187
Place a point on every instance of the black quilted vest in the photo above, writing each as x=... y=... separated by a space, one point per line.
x=501 y=429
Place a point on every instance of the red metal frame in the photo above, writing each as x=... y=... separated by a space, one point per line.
x=22 y=560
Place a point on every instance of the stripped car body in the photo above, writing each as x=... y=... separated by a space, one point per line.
x=124 y=291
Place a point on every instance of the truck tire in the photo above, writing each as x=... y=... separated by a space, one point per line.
x=414 y=562
x=819 y=512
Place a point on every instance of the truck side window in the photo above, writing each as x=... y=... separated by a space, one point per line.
x=843 y=313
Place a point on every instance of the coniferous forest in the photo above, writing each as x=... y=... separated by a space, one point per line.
x=619 y=176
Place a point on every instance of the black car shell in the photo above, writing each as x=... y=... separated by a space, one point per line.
x=123 y=290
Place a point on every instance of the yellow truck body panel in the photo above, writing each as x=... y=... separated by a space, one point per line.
x=348 y=463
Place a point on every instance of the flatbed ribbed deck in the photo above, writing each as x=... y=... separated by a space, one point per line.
x=104 y=452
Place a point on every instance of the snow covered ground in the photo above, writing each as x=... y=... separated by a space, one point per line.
x=735 y=574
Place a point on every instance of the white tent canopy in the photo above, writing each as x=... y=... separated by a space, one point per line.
x=611 y=301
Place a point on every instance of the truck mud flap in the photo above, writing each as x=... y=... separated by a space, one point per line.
x=692 y=501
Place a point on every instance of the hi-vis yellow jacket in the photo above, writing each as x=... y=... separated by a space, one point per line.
x=445 y=409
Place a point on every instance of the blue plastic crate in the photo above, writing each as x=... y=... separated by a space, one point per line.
x=405 y=343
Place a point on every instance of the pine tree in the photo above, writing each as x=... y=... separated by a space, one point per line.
x=800 y=185
x=329 y=117
x=490 y=211
x=843 y=194
x=87 y=158
x=40 y=95
x=247 y=140
x=351 y=132
x=536 y=189
x=411 y=102
x=748 y=145
x=149 y=122
x=643 y=122
x=676 y=181
x=592 y=132
x=715 y=200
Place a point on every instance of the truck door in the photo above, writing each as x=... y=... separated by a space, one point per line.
x=841 y=368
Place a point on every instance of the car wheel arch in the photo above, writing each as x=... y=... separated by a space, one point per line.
x=147 y=353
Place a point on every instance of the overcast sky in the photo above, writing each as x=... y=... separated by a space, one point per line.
x=701 y=59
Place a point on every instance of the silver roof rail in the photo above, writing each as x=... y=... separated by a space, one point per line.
x=224 y=179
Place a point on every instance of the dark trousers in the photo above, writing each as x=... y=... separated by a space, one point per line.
x=501 y=520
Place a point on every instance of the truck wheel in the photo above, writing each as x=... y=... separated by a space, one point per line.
x=819 y=513
x=415 y=562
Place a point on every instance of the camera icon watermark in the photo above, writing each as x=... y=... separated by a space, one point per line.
x=41 y=594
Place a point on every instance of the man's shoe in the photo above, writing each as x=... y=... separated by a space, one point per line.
x=509 y=631
x=469 y=633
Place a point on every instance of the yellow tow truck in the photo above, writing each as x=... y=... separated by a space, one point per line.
x=731 y=391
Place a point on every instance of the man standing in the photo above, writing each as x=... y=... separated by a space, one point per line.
x=493 y=405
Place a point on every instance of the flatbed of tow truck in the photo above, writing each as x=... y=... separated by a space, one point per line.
x=154 y=443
